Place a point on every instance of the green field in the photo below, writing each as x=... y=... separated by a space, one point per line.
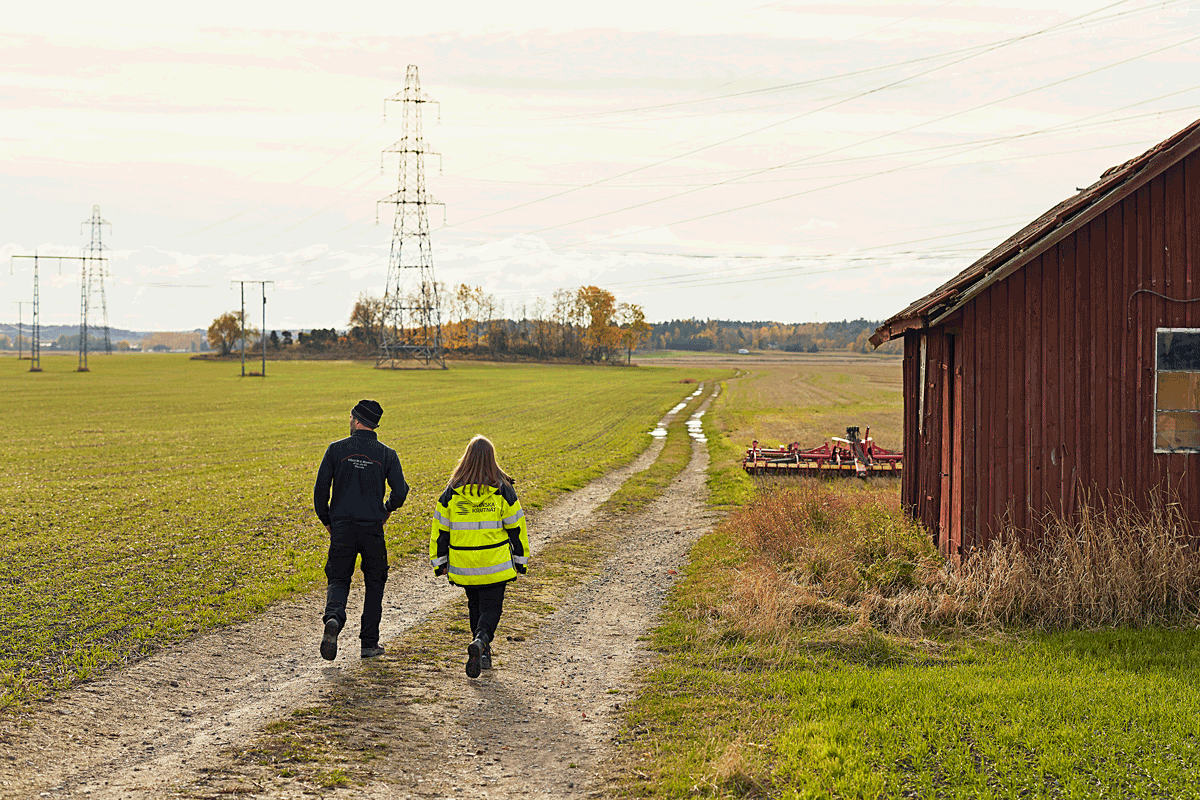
x=156 y=497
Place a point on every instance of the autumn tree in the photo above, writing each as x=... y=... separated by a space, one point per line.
x=366 y=320
x=226 y=330
x=541 y=327
x=564 y=316
x=634 y=329
x=601 y=337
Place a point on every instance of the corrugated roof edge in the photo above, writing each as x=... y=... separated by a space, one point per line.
x=1041 y=234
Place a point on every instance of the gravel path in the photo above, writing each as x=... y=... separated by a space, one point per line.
x=536 y=726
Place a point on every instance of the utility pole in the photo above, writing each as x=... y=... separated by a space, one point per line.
x=263 y=284
x=420 y=336
x=20 y=304
x=35 y=350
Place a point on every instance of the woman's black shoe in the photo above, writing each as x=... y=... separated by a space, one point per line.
x=474 y=658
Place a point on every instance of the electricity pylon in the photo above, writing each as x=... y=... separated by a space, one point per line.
x=411 y=322
x=91 y=282
x=35 y=351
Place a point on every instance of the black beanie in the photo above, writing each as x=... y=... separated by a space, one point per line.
x=368 y=413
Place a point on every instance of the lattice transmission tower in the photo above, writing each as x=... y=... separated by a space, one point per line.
x=91 y=283
x=411 y=322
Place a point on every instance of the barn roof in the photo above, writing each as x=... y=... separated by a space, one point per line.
x=1040 y=235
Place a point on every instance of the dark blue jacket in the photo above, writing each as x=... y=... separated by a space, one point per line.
x=359 y=468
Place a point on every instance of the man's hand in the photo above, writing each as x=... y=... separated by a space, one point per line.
x=442 y=570
x=329 y=530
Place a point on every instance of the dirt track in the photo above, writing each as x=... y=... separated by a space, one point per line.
x=539 y=725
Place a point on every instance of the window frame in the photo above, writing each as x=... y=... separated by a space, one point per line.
x=1155 y=411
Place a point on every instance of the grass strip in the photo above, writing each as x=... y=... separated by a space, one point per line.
x=728 y=484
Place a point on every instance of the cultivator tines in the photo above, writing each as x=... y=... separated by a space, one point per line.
x=849 y=457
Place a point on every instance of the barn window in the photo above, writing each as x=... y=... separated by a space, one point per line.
x=1177 y=391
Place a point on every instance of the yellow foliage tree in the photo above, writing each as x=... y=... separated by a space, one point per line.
x=226 y=331
x=634 y=329
x=602 y=336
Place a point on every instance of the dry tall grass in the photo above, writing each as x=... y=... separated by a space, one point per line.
x=840 y=555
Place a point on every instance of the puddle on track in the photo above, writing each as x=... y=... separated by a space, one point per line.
x=661 y=430
x=695 y=424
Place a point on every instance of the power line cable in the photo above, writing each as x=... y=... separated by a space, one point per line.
x=294 y=183
x=664 y=30
x=976 y=163
x=792 y=195
x=1076 y=22
x=710 y=146
x=916 y=84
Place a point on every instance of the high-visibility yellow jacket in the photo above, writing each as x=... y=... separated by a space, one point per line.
x=480 y=533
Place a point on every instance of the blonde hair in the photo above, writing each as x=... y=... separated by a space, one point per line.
x=478 y=466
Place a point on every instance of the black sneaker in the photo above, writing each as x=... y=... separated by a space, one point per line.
x=372 y=652
x=329 y=640
x=485 y=658
x=474 y=657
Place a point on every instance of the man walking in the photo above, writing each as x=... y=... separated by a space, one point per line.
x=358 y=468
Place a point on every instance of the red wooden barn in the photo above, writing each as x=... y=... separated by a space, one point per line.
x=1065 y=361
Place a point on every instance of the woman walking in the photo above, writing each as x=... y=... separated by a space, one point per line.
x=479 y=539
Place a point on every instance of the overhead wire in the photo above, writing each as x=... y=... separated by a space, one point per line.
x=917 y=83
x=792 y=195
x=731 y=274
x=294 y=183
x=878 y=157
x=792 y=164
x=1072 y=125
x=1076 y=22
x=672 y=27
x=778 y=123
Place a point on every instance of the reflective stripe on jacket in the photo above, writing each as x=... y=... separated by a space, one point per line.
x=480 y=532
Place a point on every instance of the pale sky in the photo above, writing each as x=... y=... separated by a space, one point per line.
x=786 y=161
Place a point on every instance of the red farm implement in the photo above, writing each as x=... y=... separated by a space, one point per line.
x=849 y=457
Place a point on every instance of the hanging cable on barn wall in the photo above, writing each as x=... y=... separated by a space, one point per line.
x=1129 y=302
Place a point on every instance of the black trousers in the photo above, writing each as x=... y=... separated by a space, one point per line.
x=485 y=604
x=347 y=541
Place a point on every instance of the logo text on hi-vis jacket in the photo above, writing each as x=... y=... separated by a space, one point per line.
x=467 y=507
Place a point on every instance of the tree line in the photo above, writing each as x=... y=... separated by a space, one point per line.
x=587 y=324
x=160 y=342
x=801 y=337
x=584 y=324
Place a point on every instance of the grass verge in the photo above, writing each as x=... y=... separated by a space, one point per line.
x=843 y=710
x=728 y=484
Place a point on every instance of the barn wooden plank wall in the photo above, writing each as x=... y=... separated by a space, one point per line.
x=1041 y=389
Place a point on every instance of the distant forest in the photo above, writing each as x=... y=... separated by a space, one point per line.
x=729 y=336
x=587 y=324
